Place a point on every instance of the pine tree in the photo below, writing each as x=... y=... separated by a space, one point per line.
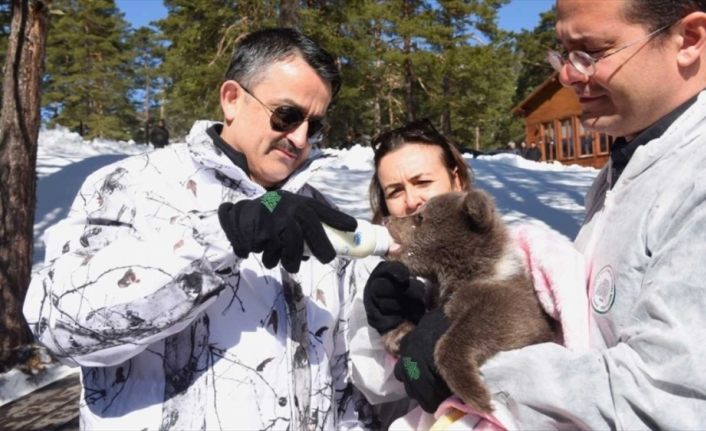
x=147 y=55
x=470 y=71
x=532 y=46
x=405 y=43
x=351 y=30
x=400 y=59
x=379 y=62
x=201 y=38
x=19 y=129
x=458 y=26
x=88 y=70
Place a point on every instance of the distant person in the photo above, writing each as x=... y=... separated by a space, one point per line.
x=512 y=148
x=533 y=152
x=159 y=135
x=178 y=281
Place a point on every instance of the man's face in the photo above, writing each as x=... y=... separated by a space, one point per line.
x=631 y=89
x=272 y=155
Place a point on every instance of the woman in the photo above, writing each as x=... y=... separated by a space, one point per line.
x=413 y=163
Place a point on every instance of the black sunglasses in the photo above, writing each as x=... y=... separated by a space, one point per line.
x=286 y=118
x=419 y=130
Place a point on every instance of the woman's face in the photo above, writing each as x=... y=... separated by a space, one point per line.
x=412 y=174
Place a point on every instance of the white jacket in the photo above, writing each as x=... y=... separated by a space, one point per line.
x=646 y=251
x=171 y=329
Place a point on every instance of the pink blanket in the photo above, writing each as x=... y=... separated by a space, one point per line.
x=558 y=271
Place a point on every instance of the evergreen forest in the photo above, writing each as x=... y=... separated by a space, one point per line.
x=401 y=59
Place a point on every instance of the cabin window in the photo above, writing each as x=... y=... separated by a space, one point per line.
x=604 y=142
x=585 y=142
x=567 y=139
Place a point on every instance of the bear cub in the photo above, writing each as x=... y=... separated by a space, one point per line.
x=458 y=242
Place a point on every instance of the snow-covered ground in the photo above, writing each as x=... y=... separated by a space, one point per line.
x=546 y=193
x=550 y=194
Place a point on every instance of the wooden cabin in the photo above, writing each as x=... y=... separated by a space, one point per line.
x=551 y=114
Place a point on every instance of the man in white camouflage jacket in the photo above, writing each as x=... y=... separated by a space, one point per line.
x=155 y=284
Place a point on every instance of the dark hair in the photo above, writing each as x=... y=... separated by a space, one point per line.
x=416 y=132
x=258 y=50
x=655 y=14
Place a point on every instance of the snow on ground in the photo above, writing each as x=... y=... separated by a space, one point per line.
x=545 y=193
x=64 y=160
x=15 y=383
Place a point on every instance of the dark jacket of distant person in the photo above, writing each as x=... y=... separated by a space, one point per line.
x=159 y=136
x=533 y=153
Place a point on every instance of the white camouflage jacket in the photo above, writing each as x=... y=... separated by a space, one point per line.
x=172 y=331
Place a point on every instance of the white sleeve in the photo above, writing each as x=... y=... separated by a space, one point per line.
x=354 y=410
x=372 y=366
x=113 y=282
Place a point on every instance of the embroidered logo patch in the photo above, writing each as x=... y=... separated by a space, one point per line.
x=411 y=368
x=603 y=291
x=357 y=238
x=270 y=200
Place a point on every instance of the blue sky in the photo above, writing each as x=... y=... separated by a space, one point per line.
x=517 y=15
x=522 y=14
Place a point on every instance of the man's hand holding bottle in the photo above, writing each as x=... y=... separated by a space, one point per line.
x=278 y=224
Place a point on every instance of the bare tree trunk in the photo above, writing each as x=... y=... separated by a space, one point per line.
x=390 y=111
x=409 y=90
x=408 y=72
x=289 y=13
x=19 y=129
x=446 y=81
x=446 y=114
x=477 y=138
x=377 y=114
x=147 y=101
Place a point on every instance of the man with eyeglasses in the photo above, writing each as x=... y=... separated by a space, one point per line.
x=639 y=70
x=177 y=280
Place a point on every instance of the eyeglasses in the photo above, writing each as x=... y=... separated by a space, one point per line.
x=584 y=62
x=286 y=118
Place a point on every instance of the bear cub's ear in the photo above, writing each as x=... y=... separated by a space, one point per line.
x=480 y=209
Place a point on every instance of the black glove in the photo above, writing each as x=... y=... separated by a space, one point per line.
x=416 y=367
x=277 y=224
x=391 y=297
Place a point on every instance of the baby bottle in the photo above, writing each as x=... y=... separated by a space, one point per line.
x=368 y=239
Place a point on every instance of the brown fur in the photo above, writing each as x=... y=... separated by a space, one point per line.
x=458 y=242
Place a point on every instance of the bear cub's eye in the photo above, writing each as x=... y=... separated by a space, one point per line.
x=418 y=219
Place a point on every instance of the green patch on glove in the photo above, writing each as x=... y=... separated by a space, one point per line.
x=270 y=200
x=411 y=368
